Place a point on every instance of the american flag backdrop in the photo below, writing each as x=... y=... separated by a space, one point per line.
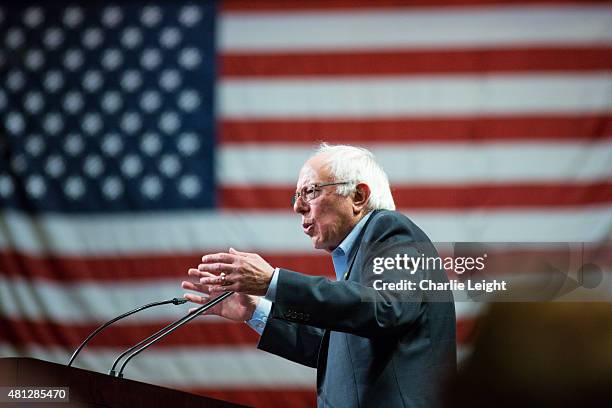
x=137 y=136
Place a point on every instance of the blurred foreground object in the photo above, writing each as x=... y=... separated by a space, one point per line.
x=538 y=354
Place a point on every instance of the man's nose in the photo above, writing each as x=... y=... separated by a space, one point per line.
x=299 y=206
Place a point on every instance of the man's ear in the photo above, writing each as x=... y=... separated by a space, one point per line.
x=361 y=195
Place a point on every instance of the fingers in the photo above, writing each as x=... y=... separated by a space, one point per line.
x=221 y=257
x=214 y=275
x=216 y=268
x=205 y=284
x=196 y=298
x=219 y=289
x=206 y=280
x=220 y=284
x=202 y=300
x=215 y=280
x=200 y=275
x=197 y=274
x=195 y=286
x=235 y=252
x=194 y=272
x=223 y=280
x=188 y=285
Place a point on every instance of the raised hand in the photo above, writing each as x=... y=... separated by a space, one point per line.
x=236 y=271
x=238 y=307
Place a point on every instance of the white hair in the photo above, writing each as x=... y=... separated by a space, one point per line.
x=357 y=165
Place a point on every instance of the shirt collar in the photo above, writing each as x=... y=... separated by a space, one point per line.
x=340 y=255
x=347 y=244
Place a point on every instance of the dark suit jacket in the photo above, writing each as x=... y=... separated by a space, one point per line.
x=370 y=348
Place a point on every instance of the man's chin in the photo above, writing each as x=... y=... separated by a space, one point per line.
x=316 y=243
x=319 y=245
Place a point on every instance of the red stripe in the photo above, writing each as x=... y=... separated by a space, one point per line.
x=263 y=397
x=471 y=197
x=123 y=336
x=414 y=62
x=133 y=268
x=418 y=130
x=284 y=5
x=466 y=330
x=21 y=332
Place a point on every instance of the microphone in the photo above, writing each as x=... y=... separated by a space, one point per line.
x=154 y=338
x=174 y=301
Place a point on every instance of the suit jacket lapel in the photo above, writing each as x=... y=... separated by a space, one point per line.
x=324 y=347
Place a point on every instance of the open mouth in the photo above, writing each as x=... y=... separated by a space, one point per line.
x=308 y=228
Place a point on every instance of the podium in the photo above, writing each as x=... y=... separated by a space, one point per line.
x=91 y=389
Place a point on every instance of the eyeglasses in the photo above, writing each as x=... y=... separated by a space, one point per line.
x=312 y=191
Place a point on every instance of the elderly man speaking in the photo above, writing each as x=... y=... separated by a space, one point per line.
x=371 y=346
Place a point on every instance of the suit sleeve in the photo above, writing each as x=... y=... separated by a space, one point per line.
x=354 y=306
x=296 y=342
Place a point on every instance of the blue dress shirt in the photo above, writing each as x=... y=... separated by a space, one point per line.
x=340 y=257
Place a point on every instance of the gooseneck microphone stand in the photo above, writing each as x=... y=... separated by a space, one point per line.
x=154 y=338
x=175 y=301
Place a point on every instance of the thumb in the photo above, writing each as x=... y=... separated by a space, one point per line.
x=235 y=252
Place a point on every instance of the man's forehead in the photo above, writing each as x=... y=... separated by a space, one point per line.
x=312 y=171
x=307 y=176
x=307 y=172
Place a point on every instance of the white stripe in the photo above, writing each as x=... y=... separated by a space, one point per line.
x=277 y=232
x=95 y=303
x=426 y=164
x=368 y=97
x=90 y=303
x=162 y=233
x=412 y=28
x=209 y=367
x=469 y=310
x=588 y=224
